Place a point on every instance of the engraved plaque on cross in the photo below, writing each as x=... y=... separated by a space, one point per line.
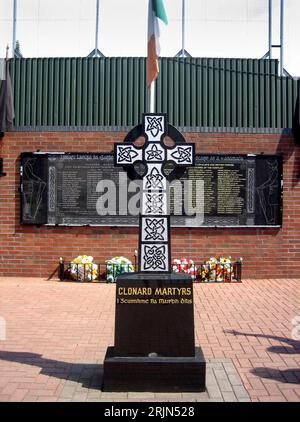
x=154 y=236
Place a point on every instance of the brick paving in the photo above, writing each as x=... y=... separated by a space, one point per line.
x=57 y=334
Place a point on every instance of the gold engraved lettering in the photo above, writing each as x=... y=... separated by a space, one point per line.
x=186 y=301
x=135 y=301
x=172 y=291
x=168 y=301
x=134 y=291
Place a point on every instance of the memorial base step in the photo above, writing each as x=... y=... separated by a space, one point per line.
x=155 y=374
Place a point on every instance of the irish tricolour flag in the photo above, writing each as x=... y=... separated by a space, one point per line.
x=156 y=14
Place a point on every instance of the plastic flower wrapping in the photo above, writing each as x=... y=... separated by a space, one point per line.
x=83 y=268
x=217 y=269
x=116 y=266
x=184 y=265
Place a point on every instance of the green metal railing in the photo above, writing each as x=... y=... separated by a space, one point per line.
x=195 y=92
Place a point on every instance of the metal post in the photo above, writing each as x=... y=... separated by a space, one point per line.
x=97 y=28
x=14 y=27
x=96 y=52
x=183 y=28
x=135 y=261
x=61 y=269
x=281 y=35
x=182 y=52
x=270 y=29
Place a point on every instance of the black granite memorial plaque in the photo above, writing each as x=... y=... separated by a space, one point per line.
x=238 y=190
x=154 y=315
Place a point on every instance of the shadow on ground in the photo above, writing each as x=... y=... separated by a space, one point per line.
x=290 y=376
x=292 y=347
x=89 y=375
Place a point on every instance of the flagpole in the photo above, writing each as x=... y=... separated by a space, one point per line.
x=152 y=97
x=6 y=62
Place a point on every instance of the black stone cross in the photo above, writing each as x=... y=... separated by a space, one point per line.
x=154 y=237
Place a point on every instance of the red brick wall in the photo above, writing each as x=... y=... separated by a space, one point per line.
x=29 y=251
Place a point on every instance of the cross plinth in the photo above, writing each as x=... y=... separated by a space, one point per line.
x=154 y=236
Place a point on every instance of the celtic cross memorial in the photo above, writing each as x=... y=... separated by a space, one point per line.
x=155 y=155
x=154 y=344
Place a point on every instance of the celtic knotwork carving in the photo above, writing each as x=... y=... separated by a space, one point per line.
x=154 y=179
x=155 y=229
x=154 y=125
x=154 y=153
x=51 y=189
x=183 y=154
x=155 y=257
x=126 y=154
x=251 y=190
x=154 y=203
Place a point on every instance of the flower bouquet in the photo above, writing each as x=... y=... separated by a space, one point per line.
x=217 y=269
x=184 y=265
x=225 y=270
x=82 y=268
x=116 y=266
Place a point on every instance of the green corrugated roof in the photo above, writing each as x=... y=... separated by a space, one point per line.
x=195 y=92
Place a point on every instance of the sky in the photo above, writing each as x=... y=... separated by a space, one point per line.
x=214 y=28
